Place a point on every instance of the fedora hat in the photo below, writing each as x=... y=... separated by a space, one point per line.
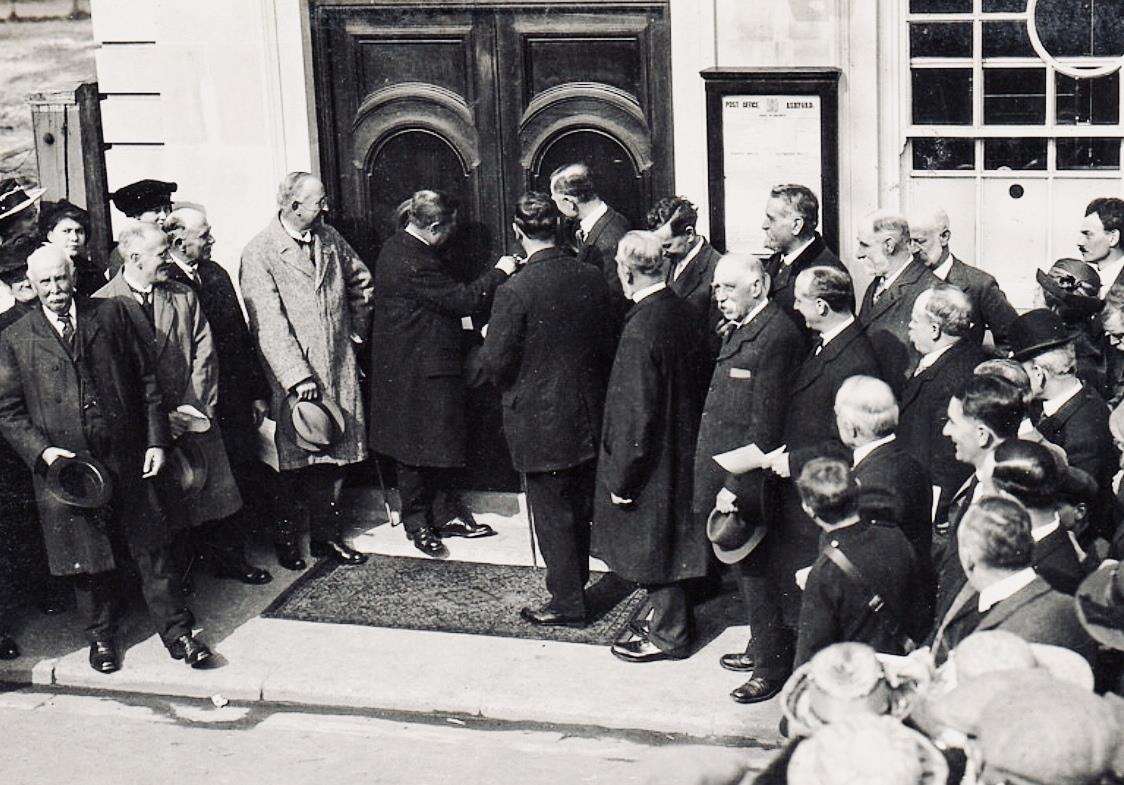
x=186 y=469
x=14 y=197
x=1100 y=605
x=82 y=481
x=1035 y=332
x=1075 y=285
x=870 y=750
x=732 y=536
x=313 y=425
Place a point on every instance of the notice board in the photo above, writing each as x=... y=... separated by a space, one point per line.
x=766 y=127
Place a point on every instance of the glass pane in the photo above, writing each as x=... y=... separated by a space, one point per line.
x=1088 y=154
x=1006 y=39
x=998 y=6
x=1089 y=101
x=942 y=96
x=940 y=6
x=1014 y=96
x=940 y=39
x=944 y=154
x=1016 y=154
x=1074 y=28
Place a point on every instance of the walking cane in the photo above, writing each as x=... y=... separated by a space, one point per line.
x=530 y=519
x=391 y=515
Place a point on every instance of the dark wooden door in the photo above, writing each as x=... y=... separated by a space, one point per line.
x=484 y=100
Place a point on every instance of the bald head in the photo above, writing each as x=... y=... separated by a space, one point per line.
x=51 y=274
x=865 y=410
x=929 y=235
x=740 y=285
x=189 y=233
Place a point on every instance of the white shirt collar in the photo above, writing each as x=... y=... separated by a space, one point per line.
x=944 y=268
x=1050 y=406
x=1026 y=428
x=1108 y=272
x=826 y=337
x=591 y=219
x=868 y=448
x=640 y=294
x=191 y=271
x=133 y=284
x=53 y=317
x=888 y=281
x=749 y=316
x=1002 y=590
x=301 y=237
x=1045 y=530
x=927 y=360
x=686 y=260
x=790 y=257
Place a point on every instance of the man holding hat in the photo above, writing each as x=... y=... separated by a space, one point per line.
x=80 y=403
x=147 y=201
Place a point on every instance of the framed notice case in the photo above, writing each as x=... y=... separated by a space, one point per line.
x=767 y=126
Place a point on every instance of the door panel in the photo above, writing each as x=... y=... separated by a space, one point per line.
x=1014 y=236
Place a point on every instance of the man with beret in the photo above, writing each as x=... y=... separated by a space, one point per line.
x=77 y=382
x=147 y=201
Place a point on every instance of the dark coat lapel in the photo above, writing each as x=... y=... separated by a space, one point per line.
x=648 y=302
x=599 y=227
x=50 y=339
x=690 y=278
x=909 y=277
x=164 y=315
x=290 y=250
x=814 y=366
x=1004 y=609
x=747 y=332
x=1050 y=426
x=876 y=451
x=88 y=325
x=916 y=384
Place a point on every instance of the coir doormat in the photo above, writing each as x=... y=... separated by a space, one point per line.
x=449 y=596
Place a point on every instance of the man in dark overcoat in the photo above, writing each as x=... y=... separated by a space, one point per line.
x=761 y=350
x=76 y=379
x=691 y=260
x=548 y=348
x=417 y=376
x=643 y=527
x=597 y=227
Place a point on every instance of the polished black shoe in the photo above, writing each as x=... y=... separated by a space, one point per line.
x=8 y=648
x=191 y=650
x=103 y=657
x=545 y=617
x=640 y=650
x=338 y=550
x=737 y=662
x=756 y=690
x=426 y=541
x=641 y=628
x=289 y=555
x=238 y=569
x=461 y=527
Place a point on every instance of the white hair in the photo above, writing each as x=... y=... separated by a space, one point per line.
x=868 y=404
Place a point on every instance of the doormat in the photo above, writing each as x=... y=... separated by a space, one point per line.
x=449 y=596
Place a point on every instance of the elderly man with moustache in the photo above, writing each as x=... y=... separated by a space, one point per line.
x=761 y=350
x=929 y=234
x=77 y=379
x=887 y=306
x=308 y=295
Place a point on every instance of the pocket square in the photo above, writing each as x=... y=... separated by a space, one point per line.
x=740 y=373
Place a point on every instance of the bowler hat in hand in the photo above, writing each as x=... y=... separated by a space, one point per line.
x=82 y=481
x=1100 y=605
x=1035 y=332
x=313 y=425
x=732 y=537
x=186 y=468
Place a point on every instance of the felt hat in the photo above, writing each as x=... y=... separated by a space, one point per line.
x=1075 y=285
x=14 y=198
x=1035 y=332
x=870 y=750
x=1100 y=605
x=732 y=536
x=82 y=481
x=314 y=426
x=142 y=196
x=13 y=258
x=187 y=468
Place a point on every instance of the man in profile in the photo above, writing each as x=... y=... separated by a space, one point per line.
x=597 y=226
x=691 y=259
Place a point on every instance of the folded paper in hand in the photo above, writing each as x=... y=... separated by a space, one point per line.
x=267 y=446
x=746 y=459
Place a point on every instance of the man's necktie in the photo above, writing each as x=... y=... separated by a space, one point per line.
x=67 y=331
x=878 y=290
x=145 y=300
x=580 y=234
x=818 y=347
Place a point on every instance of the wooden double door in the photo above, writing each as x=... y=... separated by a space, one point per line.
x=483 y=101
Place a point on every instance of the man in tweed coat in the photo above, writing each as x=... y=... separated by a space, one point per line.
x=308 y=296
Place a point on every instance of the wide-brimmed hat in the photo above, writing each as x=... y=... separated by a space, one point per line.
x=1035 y=332
x=82 y=481
x=314 y=426
x=143 y=195
x=15 y=198
x=871 y=750
x=187 y=468
x=1100 y=605
x=1075 y=284
x=732 y=536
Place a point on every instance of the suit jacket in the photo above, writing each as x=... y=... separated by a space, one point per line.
x=693 y=287
x=599 y=248
x=990 y=308
x=549 y=348
x=895 y=487
x=924 y=412
x=187 y=372
x=1040 y=614
x=783 y=277
x=887 y=321
x=746 y=404
x=1055 y=559
x=834 y=609
x=103 y=400
x=241 y=380
x=652 y=411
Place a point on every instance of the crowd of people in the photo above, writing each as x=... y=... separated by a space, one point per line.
x=903 y=471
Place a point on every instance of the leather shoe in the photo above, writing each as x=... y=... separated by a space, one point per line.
x=103 y=657
x=426 y=541
x=289 y=555
x=737 y=662
x=545 y=617
x=191 y=650
x=639 y=650
x=641 y=628
x=756 y=690
x=461 y=527
x=8 y=648
x=338 y=550
x=237 y=568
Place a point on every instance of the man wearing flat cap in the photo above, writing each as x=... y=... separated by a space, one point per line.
x=77 y=382
x=147 y=201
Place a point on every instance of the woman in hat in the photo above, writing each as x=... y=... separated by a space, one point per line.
x=68 y=226
x=1070 y=288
